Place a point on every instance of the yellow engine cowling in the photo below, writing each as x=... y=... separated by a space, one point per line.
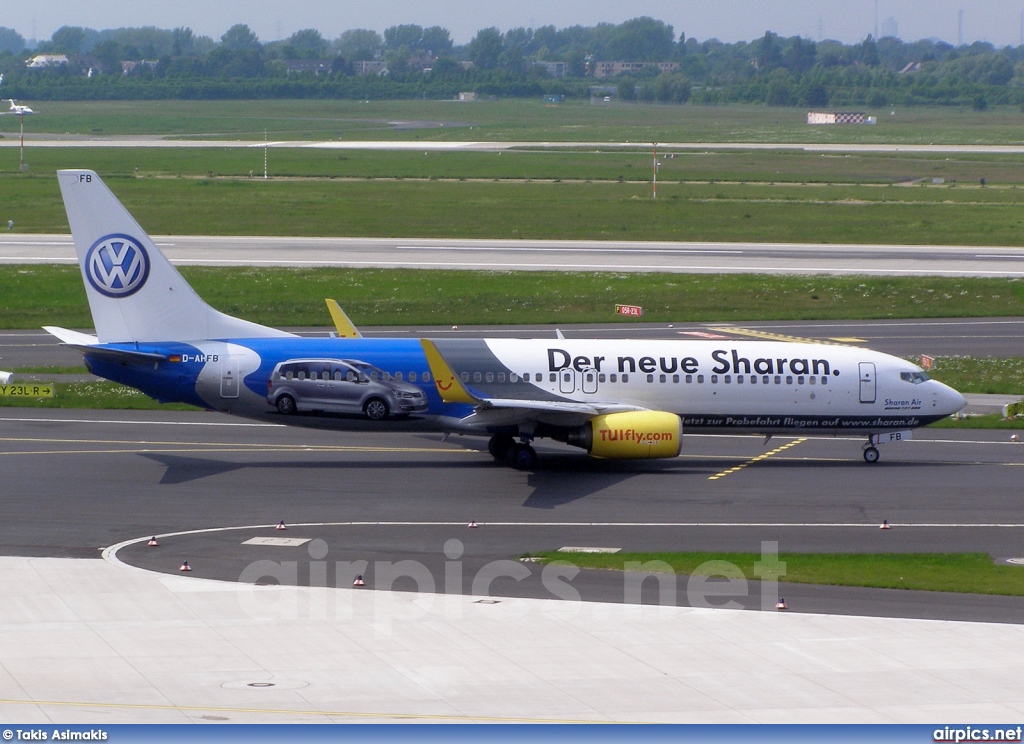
x=635 y=435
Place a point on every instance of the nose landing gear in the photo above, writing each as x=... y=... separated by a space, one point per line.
x=871 y=454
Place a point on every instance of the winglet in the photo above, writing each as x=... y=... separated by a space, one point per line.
x=449 y=386
x=346 y=328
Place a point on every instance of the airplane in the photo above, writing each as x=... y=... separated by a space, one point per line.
x=17 y=109
x=618 y=399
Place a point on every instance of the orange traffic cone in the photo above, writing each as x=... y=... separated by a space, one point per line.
x=472 y=525
x=185 y=566
x=359 y=581
x=152 y=542
x=281 y=525
x=884 y=525
x=781 y=604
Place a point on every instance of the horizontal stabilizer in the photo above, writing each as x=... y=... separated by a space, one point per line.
x=70 y=337
x=87 y=344
x=121 y=356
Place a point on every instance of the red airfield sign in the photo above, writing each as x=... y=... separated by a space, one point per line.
x=632 y=310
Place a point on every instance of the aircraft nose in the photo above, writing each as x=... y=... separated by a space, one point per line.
x=951 y=400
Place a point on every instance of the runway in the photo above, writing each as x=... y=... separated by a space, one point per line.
x=553 y=255
x=78 y=140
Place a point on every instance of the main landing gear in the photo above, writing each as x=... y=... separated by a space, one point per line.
x=518 y=455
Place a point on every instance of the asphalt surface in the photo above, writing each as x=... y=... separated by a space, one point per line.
x=554 y=255
x=79 y=140
x=76 y=482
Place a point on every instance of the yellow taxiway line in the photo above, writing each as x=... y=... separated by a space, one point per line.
x=765 y=335
x=759 y=458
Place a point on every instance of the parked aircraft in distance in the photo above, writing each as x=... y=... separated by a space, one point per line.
x=17 y=109
x=628 y=399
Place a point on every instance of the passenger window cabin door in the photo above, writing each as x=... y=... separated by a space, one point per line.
x=567 y=381
x=229 y=377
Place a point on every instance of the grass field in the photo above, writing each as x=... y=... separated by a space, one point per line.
x=994 y=376
x=973 y=573
x=608 y=164
x=500 y=209
x=32 y=296
x=510 y=120
x=95 y=395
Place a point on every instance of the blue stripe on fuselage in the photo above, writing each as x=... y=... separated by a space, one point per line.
x=176 y=380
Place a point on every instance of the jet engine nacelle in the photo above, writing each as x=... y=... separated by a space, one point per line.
x=634 y=435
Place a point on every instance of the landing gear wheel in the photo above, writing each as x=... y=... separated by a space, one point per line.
x=871 y=455
x=376 y=409
x=286 y=405
x=499 y=445
x=521 y=457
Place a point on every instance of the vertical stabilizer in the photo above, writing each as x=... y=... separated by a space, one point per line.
x=134 y=292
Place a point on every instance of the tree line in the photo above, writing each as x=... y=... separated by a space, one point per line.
x=415 y=61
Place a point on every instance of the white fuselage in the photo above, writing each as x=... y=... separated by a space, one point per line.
x=715 y=385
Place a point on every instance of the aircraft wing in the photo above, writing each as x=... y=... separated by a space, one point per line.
x=508 y=411
x=85 y=343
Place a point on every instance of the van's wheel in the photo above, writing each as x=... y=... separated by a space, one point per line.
x=871 y=455
x=376 y=409
x=521 y=457
x=499 y=445
x=286 y=405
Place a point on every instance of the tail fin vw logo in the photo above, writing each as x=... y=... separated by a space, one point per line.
x=117 y=266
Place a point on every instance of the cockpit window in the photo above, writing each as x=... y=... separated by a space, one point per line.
x=914 y=377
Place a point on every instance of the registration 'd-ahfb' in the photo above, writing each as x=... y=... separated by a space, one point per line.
x=625 y=398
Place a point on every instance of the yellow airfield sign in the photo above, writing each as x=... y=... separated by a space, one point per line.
x=28 y=390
